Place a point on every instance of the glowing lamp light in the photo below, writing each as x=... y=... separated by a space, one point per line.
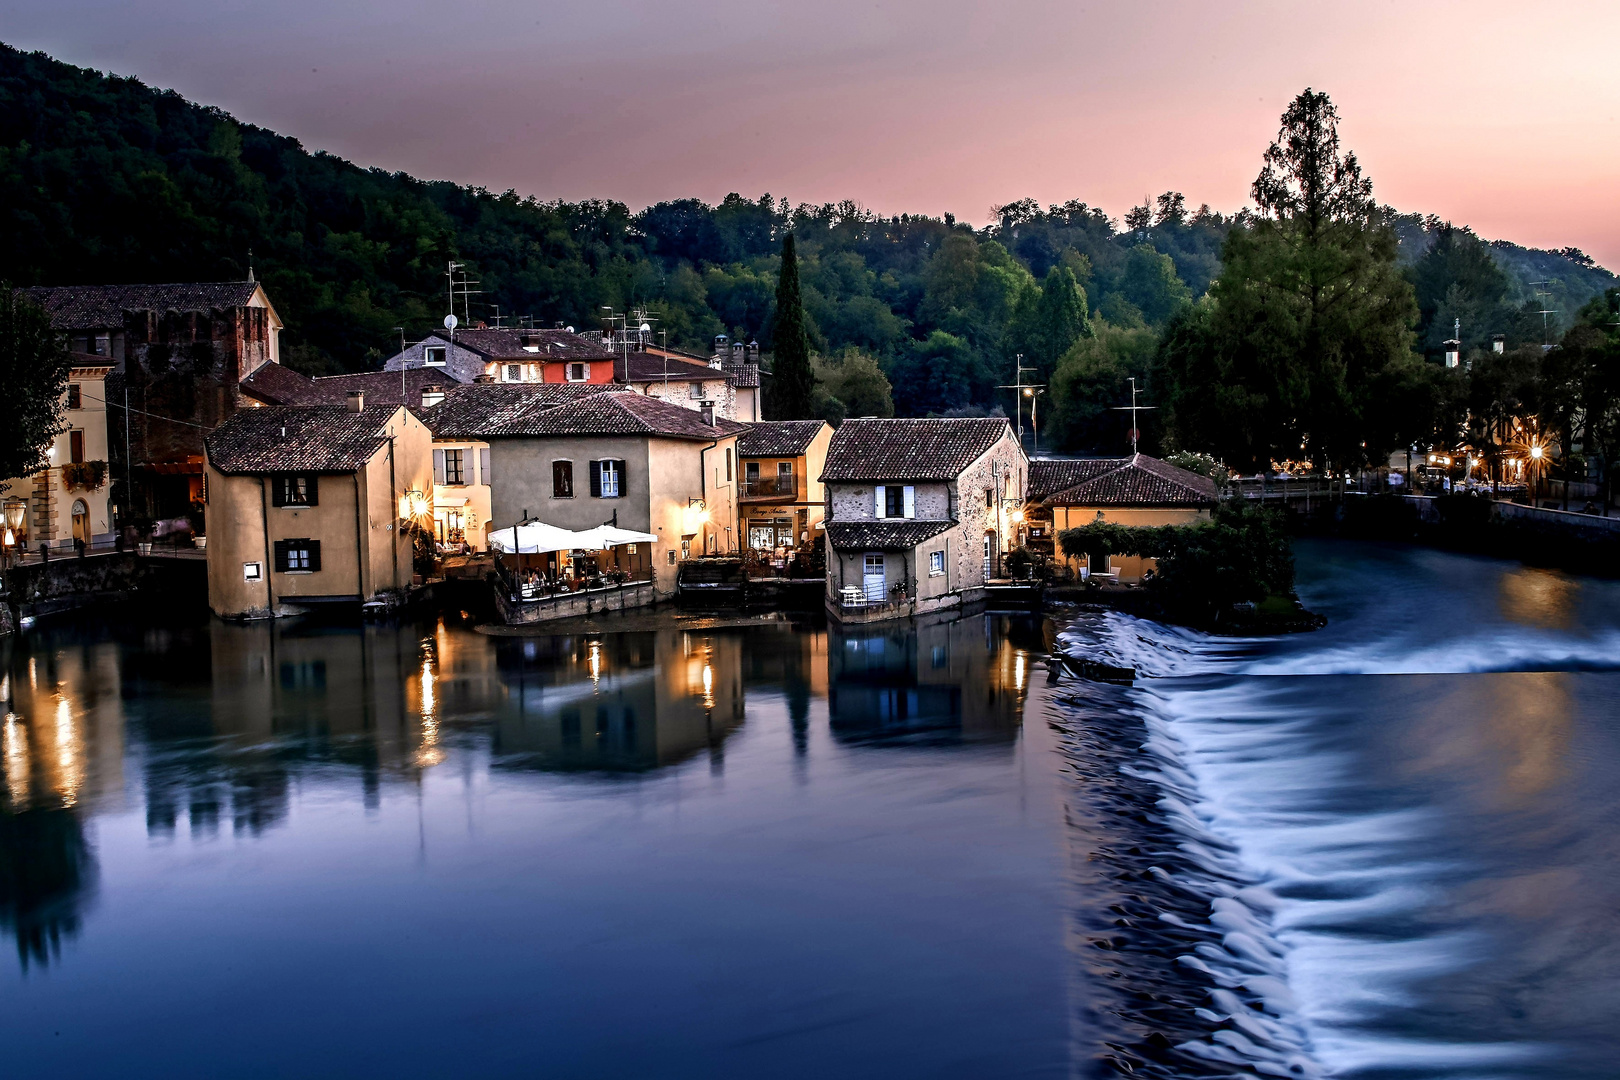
x=10 y=540
x=1017 y=517
x=414 y=504
x=1535 y=452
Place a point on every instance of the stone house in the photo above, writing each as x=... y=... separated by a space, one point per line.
x=919 y=513
x=312 y=504
x=620 y=458
x=509 y=354
x=1135 y=490
x=782 y=499
x=180 y=352
x=67 y=499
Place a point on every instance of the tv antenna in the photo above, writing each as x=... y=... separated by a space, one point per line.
x=1136 y=432
x=461 y=286
x=1022 y=390
x=1546 y=329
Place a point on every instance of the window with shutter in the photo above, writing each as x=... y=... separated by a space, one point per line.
x=896 y=501
x=878 y=512
x=299 y=490
x=453 y=473
x=301 y=556
x=909 y=503
x=596 y=479
x=438 y=466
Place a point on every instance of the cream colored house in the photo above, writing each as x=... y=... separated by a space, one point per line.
x=782 y=499
x=1135 y=490
x=311 y=505
x=919 y=513
x=67 y=499
x=614 y=458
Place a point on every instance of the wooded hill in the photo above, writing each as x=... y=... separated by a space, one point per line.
x=104 y=179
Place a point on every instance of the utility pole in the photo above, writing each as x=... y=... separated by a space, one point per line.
x=1134 y=408
x=1021 y=390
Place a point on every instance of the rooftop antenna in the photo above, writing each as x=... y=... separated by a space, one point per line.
x=1136 y=432
x=1021 y=390
x=1546 y=331
x=250 y=264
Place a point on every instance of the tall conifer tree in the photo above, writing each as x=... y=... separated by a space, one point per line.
x=793 y=383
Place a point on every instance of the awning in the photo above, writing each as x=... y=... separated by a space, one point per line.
x=537 y=537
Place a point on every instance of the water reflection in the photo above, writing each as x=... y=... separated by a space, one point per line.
x=1535 y=597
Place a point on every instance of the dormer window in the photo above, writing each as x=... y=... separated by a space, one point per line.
x=579 y=372
x=433 y=355
x=514 y=372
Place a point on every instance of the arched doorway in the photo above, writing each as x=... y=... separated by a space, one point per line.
x=81 y=521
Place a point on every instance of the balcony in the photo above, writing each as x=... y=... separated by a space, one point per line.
x=779 y=487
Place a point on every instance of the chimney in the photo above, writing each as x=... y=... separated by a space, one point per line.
x=1453 y=352
x=721 y=345
x=1498 y=343
x=431 y=396
x=707 y=412
x=753 y=352
x=357 y=400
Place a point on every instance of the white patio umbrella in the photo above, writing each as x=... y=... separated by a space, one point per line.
x=605 y=536
x=536 y=537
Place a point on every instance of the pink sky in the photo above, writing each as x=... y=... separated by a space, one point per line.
x=1505 y=117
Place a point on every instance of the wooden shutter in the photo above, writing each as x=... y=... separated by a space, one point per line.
x=483 y=465
x=314 y=547
x=314 y=489
x=278 y=493
x=281 y=555
x=76 y=446
x=880 y=494
x=910 y=501
x=438 y=466
x=624 y=477
x=596 y=479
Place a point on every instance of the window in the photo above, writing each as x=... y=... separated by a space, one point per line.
x=579 y=372
x=75 y=446
x=75 y=398
x=294 y=491
x=695 y=390
x=452 y=467
x=562 y=479
x=483 y=465
x=728 y=464
x=103 y=345
x=751 y=474
x=989 y=498
x=607 y=479
x=936 y=563
x=298 y=556
x=253 y=571
x=514 y=372
x=896 y=501
x=434 y=355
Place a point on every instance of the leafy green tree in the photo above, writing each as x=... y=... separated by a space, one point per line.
x=851 y=384
x=1091 y=380
x=1150 y=284
x=1051 y=320
x=34 y=367
x=1457 y=279
x=1308 y=343
x=938 y=374
x=793 y=381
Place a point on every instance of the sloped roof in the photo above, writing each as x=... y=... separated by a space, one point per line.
x=641 y=367
x=275 y=384
x=519 y=344
x=99 y=307
x=882 y=535
x=468 y=411
x=1139 y=480
x=284 y=438
x=935 y=449
x=620 y=412
x=387 y=387
x=778 y=438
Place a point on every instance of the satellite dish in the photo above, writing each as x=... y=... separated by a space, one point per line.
x=450 y=322
x=646 y=328
x=570 y=329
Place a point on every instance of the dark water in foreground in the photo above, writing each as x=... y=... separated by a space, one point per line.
x=1388 y=849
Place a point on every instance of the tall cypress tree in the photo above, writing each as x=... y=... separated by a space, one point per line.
x=793 y=383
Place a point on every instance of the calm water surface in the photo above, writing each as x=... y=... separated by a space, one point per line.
x=1387 y=849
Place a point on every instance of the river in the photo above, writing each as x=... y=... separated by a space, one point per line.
x=1385 y=849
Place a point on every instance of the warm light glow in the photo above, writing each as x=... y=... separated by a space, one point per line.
x=68 y=762
x=596 y=662
x=414 y=504
x=14 y=744
x=429 y=753
x=1535 y=452
x=1017 y=517
x=1018 y=671
x=10 y=540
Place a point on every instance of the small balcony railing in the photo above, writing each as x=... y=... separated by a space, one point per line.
x=781 y=486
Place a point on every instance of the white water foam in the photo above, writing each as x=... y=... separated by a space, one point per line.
x=1253 y=793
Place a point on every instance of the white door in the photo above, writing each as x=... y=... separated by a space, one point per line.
x=989 y=553
x=876 y=592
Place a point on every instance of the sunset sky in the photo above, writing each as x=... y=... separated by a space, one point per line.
x=1502 y=116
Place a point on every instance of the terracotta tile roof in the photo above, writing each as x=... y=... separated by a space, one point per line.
x=743 y=375
x=643 y=367
x=531 y=345
x=937 y=449
x=285 y=438
x=100 y=307
x=621 y=412
x=882 y=535
x=275 y=384
x=468 y=411
x=778 y=438
x=1132 y=481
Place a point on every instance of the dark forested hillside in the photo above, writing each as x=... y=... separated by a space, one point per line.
x=103 y=179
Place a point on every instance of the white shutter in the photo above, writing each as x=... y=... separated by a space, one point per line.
x=483 y=465
x=911 y=501
x=879 y=490
x=438 y=466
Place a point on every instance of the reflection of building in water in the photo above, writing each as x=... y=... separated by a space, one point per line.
x=941 y=680
x=62 y=728
x=628 y=701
